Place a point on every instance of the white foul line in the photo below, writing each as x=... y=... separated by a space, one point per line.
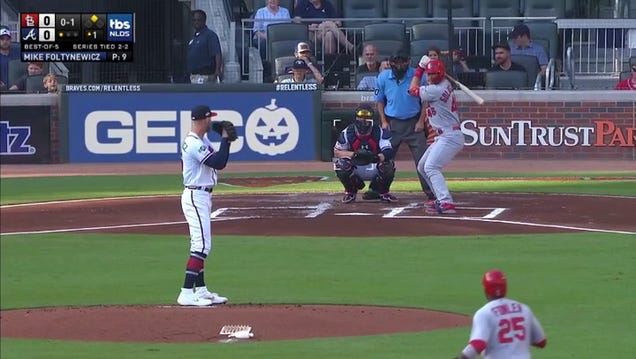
x=320 y=209
x=519 y=223
x=218 y=212
x=94 y=228
x=494 y=213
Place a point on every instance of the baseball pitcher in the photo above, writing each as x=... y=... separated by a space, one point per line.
x=441 y=113
x=200 y=165
x=503 y=328
x=363 y=152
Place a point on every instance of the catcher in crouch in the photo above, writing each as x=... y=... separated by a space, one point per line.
x=363 y=152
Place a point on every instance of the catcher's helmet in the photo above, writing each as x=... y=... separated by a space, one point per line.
x=495 y=284
x=364 y=118
x=436 y=68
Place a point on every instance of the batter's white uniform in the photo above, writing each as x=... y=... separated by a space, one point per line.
x=196 y=202
x=442 y=115
x=508 y=328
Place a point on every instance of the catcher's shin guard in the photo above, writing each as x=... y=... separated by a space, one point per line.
x=381 y=183
x=344 y=170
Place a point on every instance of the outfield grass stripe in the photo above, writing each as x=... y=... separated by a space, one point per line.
x=528 y=224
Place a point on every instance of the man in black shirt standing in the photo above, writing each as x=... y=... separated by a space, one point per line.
x=205 y=61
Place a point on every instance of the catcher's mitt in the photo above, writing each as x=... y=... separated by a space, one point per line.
x=218 y=126
x=364 y=157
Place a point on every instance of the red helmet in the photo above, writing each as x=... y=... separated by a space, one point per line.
x=494 y=282
x=437 y=68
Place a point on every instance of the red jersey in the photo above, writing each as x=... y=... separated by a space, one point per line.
x=627 y=84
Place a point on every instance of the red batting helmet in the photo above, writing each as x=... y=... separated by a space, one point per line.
x=494 y=282
x=436 y=68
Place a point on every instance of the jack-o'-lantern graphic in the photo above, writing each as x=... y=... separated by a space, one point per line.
x=272 y=130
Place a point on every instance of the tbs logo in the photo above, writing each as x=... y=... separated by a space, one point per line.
x=120 y=27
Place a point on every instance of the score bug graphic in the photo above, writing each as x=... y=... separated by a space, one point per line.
x=98 y=37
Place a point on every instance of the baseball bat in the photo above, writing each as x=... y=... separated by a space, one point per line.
x=466 y=90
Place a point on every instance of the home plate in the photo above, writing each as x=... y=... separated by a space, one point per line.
x=353 y=214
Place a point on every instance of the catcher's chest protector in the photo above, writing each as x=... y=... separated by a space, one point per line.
x=369 y=141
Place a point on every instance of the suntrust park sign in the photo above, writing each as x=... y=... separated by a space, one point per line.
x=526 y=133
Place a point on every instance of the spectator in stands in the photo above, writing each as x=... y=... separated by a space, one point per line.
x=459 y=62
x=303 y=52
x=33 y=69
x=371 y=63
x=523 y=45
x=50 y=83
x=265 y=16
x=205 y=61
x=328 y=32
x=629 y=83
x=502 y=59
x=369 y=83
x=434 y=53
x=6 y=55
x=299 y=74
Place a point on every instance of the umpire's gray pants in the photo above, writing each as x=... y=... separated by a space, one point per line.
x=404 y=131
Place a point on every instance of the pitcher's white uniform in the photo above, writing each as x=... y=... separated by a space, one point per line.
x=442 y=115
x=506 y=329
x=196 y=202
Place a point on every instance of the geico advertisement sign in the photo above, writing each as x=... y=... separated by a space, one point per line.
x=524 y=133
x=268 y=130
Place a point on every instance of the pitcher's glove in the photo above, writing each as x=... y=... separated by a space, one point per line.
x=218 y=126
x=364 y=157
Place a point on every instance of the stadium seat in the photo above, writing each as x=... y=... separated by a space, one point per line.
x=498 y=8
x=387 y=37
x=461 y=8
x=282 y=39
x=354 y=9
x=530 y=63
x=478 y=62
x=430 y=31
x=545 y=30
x=506 y=80
x=17 y=69
x=282 y=63
x=384 y=31
x=624 y=75
x=407 y=9
x=544 y=8
x=35 y=84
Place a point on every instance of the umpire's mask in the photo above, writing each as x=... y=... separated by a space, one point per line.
x=364 y=120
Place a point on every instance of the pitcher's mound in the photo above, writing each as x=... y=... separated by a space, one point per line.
x=191 y=324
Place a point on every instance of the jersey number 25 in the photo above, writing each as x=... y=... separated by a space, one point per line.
x=511 y=329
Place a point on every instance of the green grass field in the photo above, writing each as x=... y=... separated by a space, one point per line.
x=581 y=286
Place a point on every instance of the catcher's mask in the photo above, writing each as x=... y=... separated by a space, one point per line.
x=436 y=71
x=495 y=284
x=364 y=119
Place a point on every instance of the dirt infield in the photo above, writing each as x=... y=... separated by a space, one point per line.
x=315 y=214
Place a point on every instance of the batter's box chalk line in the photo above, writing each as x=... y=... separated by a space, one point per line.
x=238 y=331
